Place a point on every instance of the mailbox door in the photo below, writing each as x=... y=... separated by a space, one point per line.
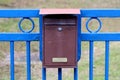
x=60 y=43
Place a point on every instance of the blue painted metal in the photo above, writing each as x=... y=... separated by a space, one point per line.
x=21 y=28
x=19 y=37
x=36 y=36
x=76 y=73
x=17 y=13
x=110 y=13
x=12 y=77
x=99 y=27
x=91 y=49
x=43 y=73
x=59 y=73
x=41 y=32
x=107 y=60
x=100 y=36
x=82 y=37
x=28 y=60
x=79 y=38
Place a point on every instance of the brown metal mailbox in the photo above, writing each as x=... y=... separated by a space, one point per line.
x=59 y=41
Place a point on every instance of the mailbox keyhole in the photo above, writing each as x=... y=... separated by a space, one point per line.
x=59 y=29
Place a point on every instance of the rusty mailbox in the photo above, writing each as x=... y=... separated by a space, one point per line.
x=59 y=40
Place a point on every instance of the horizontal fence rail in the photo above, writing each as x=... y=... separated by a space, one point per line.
x=90 y=36
x=100 y=36
x=19 y=37
x=36 y=37
x=101 y=13
x=19 y=13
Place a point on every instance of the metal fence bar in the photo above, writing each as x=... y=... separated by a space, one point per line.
x=16 y=13
x=100 y=13
x=76 y=73
x=59 y=73
x=100 y=36
x=43 y=73
x=12 y=60
x=91 y=54
x=79 y=38
x=19 y=37
x=37 y=37
x=106 y=60
x=28 y=60
x=41 y=32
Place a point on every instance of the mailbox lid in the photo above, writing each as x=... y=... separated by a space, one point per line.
x=59 y=11
x=60 y=45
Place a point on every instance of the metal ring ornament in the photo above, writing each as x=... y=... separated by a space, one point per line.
x=99 y=27
x=26 y=31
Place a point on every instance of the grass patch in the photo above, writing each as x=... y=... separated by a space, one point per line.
x=5 y=1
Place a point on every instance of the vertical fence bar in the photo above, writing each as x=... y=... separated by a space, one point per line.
x=41 y=32
x=79 y=37
x=43 y=73
x=107 y=60
x=76 y=73
x=91 y=49
x=59 y=73
x=78 y=45
x=12 y=60
x=28 y=60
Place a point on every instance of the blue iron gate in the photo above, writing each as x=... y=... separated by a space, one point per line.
x=29 y=36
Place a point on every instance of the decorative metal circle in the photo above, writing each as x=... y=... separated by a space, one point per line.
x=26 y=31
x=99 y=27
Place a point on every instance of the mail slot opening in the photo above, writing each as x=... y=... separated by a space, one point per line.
x=59 y=41
x=60 y=19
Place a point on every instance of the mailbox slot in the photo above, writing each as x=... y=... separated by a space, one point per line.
x=59 y=41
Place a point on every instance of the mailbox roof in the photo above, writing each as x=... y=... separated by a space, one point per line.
x=59 y=11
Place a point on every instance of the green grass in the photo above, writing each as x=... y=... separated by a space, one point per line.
x=99 y=63
x=5 y=1
x=8 y=25
x=60 y=4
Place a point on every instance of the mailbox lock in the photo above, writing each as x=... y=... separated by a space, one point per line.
x=60 y=28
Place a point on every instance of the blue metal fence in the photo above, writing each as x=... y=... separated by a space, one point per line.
x=91 y=36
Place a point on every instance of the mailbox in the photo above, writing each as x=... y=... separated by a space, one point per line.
x=59 y=41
